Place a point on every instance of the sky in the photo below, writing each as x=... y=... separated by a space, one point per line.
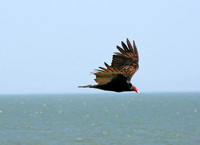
x=51 y=46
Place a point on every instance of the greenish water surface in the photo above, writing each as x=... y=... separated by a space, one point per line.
x=100 y=119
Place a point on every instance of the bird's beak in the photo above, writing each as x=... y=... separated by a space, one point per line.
x=138 y=92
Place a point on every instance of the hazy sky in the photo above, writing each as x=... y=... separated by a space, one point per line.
x=51 y=46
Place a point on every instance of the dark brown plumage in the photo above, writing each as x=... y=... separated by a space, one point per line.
x=117 y=76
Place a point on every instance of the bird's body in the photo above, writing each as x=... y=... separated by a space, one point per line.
x=117 y=76
x=116 y=86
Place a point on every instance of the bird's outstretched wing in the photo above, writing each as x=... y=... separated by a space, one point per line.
x=126 y=61
x=109 y=74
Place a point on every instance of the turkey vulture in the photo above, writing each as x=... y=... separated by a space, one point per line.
x=117 y=76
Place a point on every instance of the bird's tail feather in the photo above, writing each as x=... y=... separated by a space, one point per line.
x=88 y=86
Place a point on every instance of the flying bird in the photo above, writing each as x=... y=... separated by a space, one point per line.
x=117 y=77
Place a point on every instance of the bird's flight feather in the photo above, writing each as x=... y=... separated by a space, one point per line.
x=106 y=75
x=127 y=60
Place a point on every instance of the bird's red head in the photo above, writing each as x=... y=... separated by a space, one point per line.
x=133 y=88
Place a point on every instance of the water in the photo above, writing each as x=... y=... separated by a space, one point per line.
x=101 y=119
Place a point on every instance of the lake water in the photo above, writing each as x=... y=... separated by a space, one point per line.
x=100 y=119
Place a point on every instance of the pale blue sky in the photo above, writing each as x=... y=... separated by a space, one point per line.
x=51 y=46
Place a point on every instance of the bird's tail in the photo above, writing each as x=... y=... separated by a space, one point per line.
x=88 y=86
